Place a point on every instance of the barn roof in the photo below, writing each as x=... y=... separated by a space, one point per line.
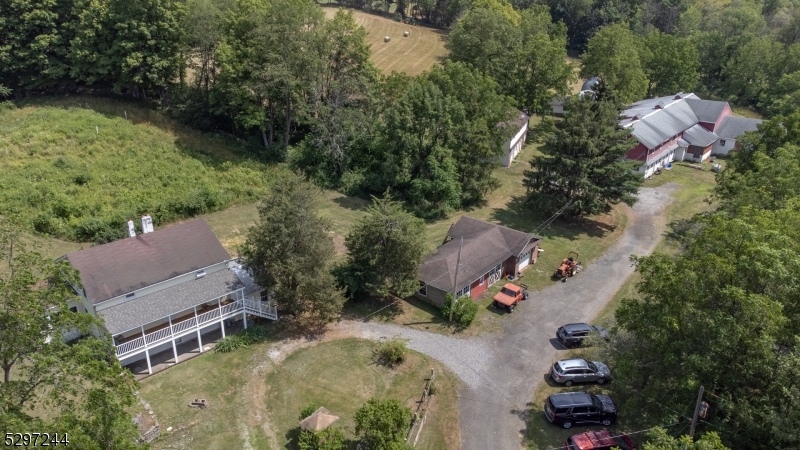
x=707 y=110
x=661 y=125
x=123 y=266
x=699 y=136
x=485 y=245
x=733 y=127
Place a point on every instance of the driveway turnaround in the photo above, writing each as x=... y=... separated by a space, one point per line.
x=501 y=370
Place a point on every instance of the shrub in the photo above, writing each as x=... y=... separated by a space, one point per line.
x=464 y=312
x=327 y=439
x=391 y=352
x=307 y=411
x=252 y=335
x=382 y=424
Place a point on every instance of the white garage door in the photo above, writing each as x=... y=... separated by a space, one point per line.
x=525 y=260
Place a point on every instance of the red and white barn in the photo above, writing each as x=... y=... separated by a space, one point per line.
x=681 y=127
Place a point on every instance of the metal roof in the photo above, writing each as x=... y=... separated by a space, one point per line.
x=733 y=127
x=707 y=110
x=485 y=246
x=663 y=124
x=123 y=266
x=638 y=110
x=149 y=308
x=699 y=136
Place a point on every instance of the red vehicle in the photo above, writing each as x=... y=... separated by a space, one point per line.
x=599 y=440
x=510 y=295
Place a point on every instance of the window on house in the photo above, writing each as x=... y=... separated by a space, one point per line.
x=423 y=289
x=722 y=142
x=74 y=309
x=264 y=296
x=130 y=295
x=480 y=281
x=464 y=291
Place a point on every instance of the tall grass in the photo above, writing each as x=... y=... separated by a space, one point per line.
x=76 y=169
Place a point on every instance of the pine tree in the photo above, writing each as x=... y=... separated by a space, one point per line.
x=583 y=162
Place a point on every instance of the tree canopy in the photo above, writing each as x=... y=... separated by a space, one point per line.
x=614 y=54
x=382 y=424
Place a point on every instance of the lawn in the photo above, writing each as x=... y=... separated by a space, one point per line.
x=254 y=401
x=413 y=55
x=76 y=169
x=695 y=187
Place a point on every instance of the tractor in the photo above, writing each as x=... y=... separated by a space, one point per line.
x=569 y=267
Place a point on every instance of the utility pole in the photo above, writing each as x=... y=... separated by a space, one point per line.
x=455 y=281
x=696 y=412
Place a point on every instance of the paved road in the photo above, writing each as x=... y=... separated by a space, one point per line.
x=501 y=370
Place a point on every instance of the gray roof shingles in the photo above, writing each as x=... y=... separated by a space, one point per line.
x=663 y=124
x=485 y=246
x=733 y=127
x=123 y=266
x=149 y=308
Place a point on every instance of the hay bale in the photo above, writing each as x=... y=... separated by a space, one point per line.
x=386 y=39
x=405 y=34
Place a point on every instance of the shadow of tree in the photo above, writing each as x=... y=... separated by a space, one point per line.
x=352 y=203
x=372 y=309
x=519 y=215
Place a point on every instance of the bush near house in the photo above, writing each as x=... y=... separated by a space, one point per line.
x=391 y=352
x=464 y=310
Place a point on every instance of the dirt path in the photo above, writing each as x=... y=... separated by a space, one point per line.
x=501 y=371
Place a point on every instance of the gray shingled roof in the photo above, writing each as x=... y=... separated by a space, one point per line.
x=733 y=127
x=120 y=267
x=706 y=110
x=663 y=124
x=485 y=246
x=649 y=106
x=149 y=308
x=699 y=136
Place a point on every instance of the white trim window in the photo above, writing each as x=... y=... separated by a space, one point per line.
x=480 y=280
x=465 y=291
x=423 y=289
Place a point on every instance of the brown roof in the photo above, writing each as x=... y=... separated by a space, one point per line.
x=319 y=420
x=120 y=267
x=485 y=246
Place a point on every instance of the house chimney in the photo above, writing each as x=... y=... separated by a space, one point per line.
x=147 y=224
x=131 y=230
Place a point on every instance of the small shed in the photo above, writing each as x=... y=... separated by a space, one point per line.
x=318 y=420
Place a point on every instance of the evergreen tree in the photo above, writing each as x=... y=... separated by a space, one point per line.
x=385 y=249
x=289 y=250
x=583 y=162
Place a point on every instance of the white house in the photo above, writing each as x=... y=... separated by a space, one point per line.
x=163 y=288
x=513 y=146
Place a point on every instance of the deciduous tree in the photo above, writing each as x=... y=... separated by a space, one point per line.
x=289 y=250
x=670 y=63
x=614 y=55
x=382 y=424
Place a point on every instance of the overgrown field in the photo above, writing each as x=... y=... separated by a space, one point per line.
x=76 y=169
x=255 y=399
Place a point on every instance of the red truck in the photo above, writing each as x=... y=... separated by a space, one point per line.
x=510 y=295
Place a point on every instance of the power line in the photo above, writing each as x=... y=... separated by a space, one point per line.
x=627 y=434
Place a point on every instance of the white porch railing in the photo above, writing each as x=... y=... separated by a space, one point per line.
x=259 y=308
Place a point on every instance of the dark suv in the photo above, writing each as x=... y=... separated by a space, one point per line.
x=580 y=408
x=573 y=334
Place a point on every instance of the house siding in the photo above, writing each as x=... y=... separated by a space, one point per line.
x=513 y=147
x=434 y=295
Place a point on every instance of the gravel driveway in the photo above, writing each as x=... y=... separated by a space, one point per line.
x=502 y=370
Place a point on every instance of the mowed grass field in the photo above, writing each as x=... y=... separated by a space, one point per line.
x=412 y=55
x=255 y=396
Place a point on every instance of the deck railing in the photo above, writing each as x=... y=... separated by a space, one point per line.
x=250 y=305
